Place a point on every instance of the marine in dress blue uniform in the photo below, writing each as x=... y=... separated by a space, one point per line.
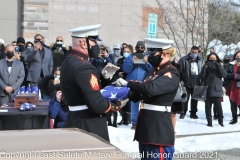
x=80 y=85
x=154 y=130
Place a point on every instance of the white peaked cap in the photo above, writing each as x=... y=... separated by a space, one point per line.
x=1 y=40
x=158 y=43
x=86 y=31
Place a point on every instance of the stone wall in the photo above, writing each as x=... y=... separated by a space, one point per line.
x=10 y=20
x=35 y=19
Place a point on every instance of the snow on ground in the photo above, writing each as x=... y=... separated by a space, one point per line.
x=122 y=137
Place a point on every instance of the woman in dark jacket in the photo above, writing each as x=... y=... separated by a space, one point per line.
x=58 y=109
x=211 y=76
x=232 y=84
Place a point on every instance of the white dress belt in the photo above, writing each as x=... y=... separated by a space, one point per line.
x=77 y=108
x=157 y=108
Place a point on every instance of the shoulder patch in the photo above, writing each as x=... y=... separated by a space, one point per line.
x=94 y=82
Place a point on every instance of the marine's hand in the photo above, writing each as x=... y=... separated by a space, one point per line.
x=120 y=82
x=109 y=70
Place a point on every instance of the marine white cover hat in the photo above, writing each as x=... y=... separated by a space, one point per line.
x=158 y=43
x=1 y=40
x=86 y=31
x=117 y=46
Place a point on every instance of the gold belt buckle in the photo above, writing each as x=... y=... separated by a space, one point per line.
x=141 y=105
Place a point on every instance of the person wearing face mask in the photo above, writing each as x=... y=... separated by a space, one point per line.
x=11 y=75
x=40 y=61
x=211 y=76
x=233 y=90
x=80 y=84
x=2 y=48
x=59 y=51
x=116 y=51
x=154 y=130
x=135 y=72
x=191 y=67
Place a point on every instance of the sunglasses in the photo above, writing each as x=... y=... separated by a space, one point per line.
x=59 y=40
x=140 y=47
x=103 y=49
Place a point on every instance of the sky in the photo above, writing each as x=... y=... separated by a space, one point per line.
x=122 y=137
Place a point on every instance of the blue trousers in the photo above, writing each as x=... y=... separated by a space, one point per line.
x=156 y=152
x=134 y=111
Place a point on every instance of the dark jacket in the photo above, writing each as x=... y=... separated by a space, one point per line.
x=58 y=111
x=230 y=76
x=211 y=76
x=46 y=86
x=100 y=63
x=155 y=127
x=2 y=55
x=184 y=61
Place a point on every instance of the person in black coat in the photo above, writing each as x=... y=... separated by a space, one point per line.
x=211 y=76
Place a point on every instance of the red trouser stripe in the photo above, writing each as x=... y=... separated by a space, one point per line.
x=161 y=151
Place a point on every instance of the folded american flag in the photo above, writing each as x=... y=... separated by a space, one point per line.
x=113 y=93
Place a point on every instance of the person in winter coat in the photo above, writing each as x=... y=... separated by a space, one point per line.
x=136 y=72
x=46 y=85
x=211 y=76
x=232 y=83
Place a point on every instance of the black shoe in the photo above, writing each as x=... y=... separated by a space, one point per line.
x=220 y=121
x=239 y=114
x=209 y=120
x=182 y=116
x=110 y=124
x=215 y=117
x=234 y=120
x=194 y=116
x=114 y=125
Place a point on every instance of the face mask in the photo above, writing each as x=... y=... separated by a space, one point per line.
x=94 y=51
x=211 y=60
x=140 y=51
x=155 y=60
x=125 y=54
x=57 y=76
x=193 y=55
x=238 y=59
x=59 y=42
x=29 y=47
x=10 y=54
x=116 y=53
x=21 y=48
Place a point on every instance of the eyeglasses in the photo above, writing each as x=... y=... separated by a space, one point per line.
x=140 y=47
x=59 y=40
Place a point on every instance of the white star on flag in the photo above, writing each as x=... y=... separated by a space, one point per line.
x=102 y=90
x=113 y=96
x=117 y=87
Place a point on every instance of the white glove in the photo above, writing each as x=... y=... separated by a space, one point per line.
x=109 y=70
x=124 y=102
x=120 y=82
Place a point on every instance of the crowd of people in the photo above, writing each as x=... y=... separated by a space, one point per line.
x=41 y=66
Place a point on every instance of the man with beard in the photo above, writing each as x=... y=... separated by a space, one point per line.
x=80 y=84
x=11 y=75
x=154 y=130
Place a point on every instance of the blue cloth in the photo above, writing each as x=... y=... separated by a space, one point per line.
x=113 y=93
x=100 y=63
x=156 y=152
x=27 y=107
x=135 y=71
x=57 y=112
x=134 y=111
